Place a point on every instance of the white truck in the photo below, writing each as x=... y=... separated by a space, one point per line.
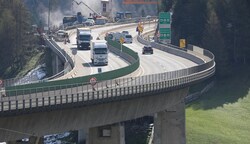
x=83 y=38
x=99 y=52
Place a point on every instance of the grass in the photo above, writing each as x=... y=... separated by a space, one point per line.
x=31 y=64
x=222 y=116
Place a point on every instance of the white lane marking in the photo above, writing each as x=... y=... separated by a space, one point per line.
x=91 y=71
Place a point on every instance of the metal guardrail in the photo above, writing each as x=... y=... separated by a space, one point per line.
x=80 y=94
x=62 y=54
x=68 y=61
x=106 y=91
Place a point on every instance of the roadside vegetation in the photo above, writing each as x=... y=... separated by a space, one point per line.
x=222 y=116
x=19 y=46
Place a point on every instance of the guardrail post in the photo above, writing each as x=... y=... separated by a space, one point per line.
x=111 y=92
x=23 y=104
x=36 y=102
x=49 y=101
x=116 y=92
x=72 y=97
x=43 y=102
x=77 y=97
x=61 y=99
x=30 y=103
x=88 y=96
x=102 y=94
x=98 y=95
x=55 y=100
x=120 y=90
x=107 y=93
x=2 y=106
x=83 y=97
x=16 y=104
x=66 y=98
x=124 y=90
x=9 y=105
x=93 y=95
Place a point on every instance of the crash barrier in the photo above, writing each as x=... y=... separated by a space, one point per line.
x=64 y=57
x=129 y=55
x=102 y=91
x=62 y=54
x=82 y=94
x=172 y=50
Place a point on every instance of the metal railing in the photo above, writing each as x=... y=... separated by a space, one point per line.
x=80 y=94
x=61 y=53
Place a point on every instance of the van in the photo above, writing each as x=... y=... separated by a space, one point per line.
x=128 y=38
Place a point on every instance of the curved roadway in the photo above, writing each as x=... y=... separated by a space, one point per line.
x=159 y=62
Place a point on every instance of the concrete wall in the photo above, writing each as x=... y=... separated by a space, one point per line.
x=49 y=122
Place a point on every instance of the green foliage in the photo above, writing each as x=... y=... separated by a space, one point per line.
x=220 y=26
x=17 y=44
x=222 y=116
x=188 y=21
x=213 y=40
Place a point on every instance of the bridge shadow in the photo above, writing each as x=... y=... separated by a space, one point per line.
x=88 y=64
x=227 y=91
x=75 y=48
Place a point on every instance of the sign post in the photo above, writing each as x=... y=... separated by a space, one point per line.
x=165 y=26
x=121 y=41
x=74 y=52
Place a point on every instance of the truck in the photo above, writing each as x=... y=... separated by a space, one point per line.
x=83 y=38
x=99 y=52
x=122 y=15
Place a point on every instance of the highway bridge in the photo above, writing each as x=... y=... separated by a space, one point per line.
x=131 y=86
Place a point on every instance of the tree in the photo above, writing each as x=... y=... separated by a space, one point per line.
x=188 y=21
x=16 y=42
x=213 y=40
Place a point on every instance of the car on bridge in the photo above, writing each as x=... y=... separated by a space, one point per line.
x=147 y=49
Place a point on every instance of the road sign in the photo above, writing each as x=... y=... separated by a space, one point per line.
x=92 y=81
x=182 y=43
x=121 y=40
x=74 y=51
x=164 y=18
x=165 y=26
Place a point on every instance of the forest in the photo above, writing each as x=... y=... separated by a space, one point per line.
x=222 y=27
x=17 y=43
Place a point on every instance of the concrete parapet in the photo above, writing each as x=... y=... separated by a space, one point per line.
x=57 y=121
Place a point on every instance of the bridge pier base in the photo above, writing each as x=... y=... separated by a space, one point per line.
x=83 y=135
x=110 y=134
x=169 y=125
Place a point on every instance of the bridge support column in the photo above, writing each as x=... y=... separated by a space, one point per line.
x=83 y=135
x=111 y=134
x=169 y=125
x=36 y=140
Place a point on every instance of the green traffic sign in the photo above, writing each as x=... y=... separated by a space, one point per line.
x=165 y=36
x=164 y=17
x=164 y=25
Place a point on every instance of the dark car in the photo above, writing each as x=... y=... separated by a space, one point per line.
x=147 y=49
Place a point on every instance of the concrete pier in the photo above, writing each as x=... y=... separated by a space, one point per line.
x=169 y=125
